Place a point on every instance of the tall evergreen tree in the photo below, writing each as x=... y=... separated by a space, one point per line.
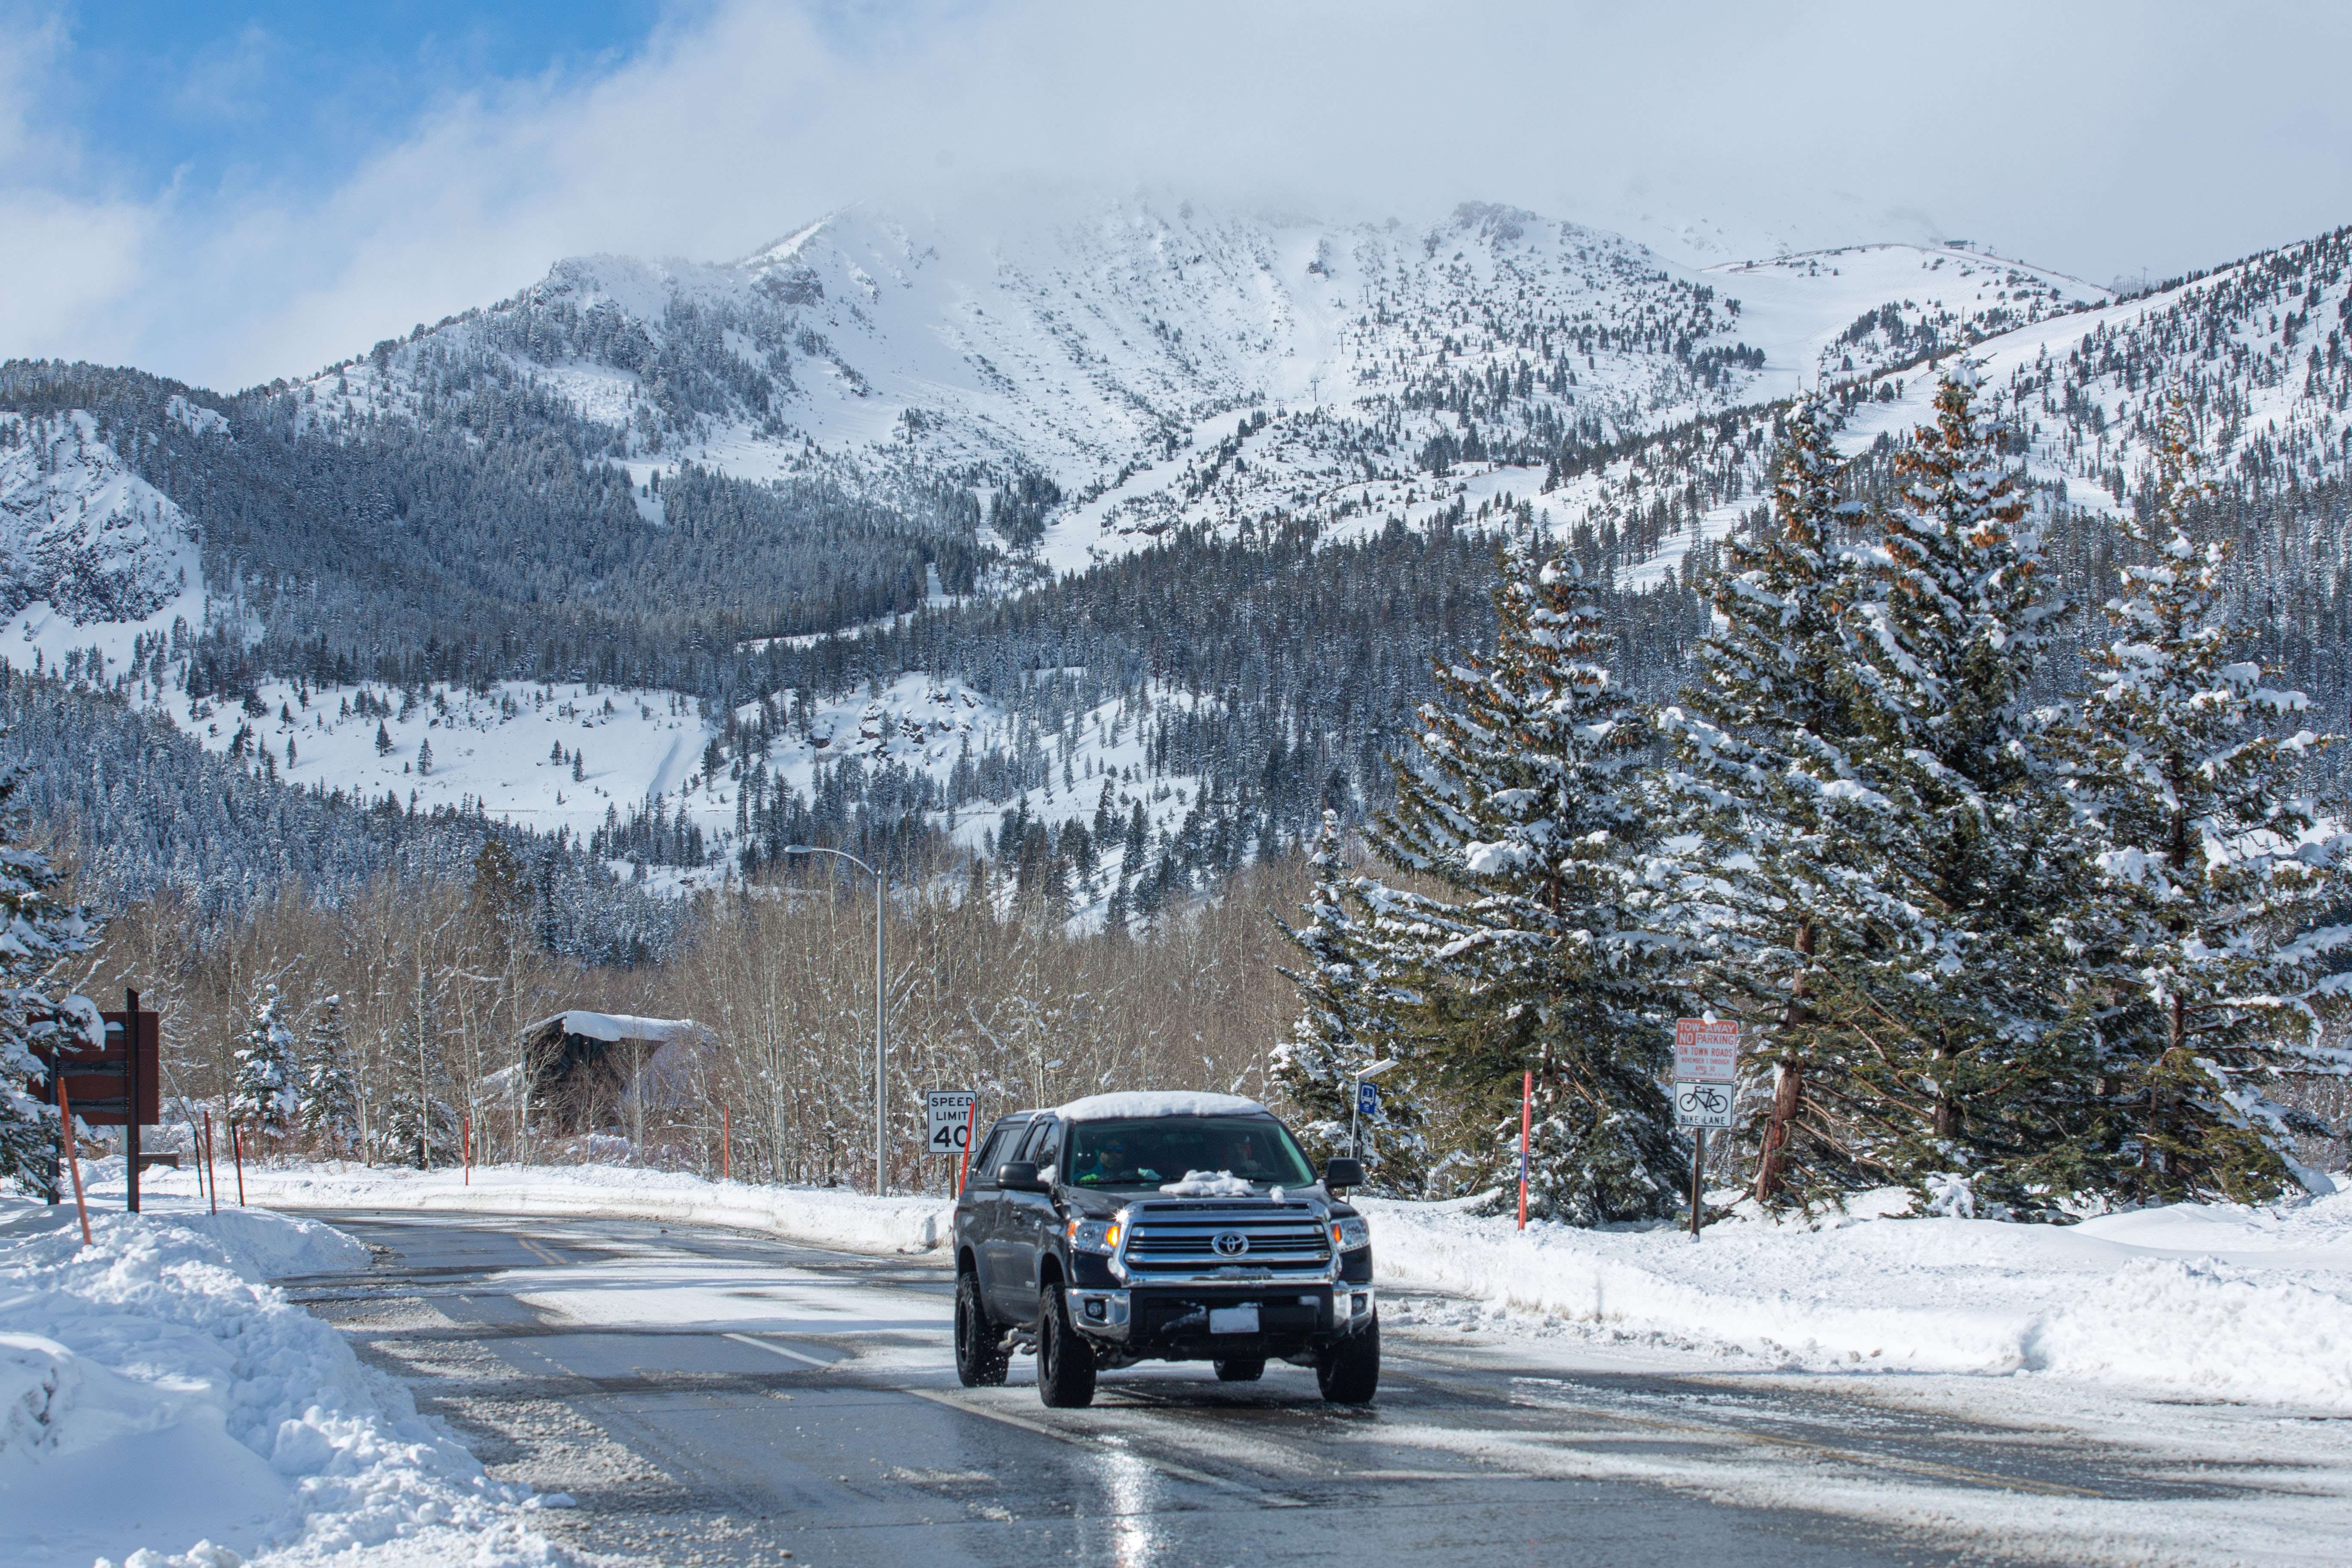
x=1548 y=958
x=1346 y=1017
x=331 y=1104
x=1763 y=738
x=38 y=932
x=265 y=1094
x=1957 y=1010
x=2218 y=872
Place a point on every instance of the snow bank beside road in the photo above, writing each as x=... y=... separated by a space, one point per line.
x=157 y=1399
x=2219 y=1300
x=824 y=1216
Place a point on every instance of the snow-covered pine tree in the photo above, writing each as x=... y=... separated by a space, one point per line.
x=1344 y=1024
x=1549 y=958
x=1966 y=1045
x=2219 y=875
x=1762 y=739
x=263 y=1092
x=38 y=932
x=330 y=1099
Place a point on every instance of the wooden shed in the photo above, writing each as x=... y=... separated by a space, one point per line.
x=584 y=1066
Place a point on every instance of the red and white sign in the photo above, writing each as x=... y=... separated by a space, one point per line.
x=1706 y=1050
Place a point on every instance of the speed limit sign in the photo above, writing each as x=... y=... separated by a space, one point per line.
x=947 y=1115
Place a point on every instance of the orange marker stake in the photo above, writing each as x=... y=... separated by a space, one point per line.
x=1527 y=1106
x=73 y=1156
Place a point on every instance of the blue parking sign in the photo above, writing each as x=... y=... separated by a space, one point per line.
x=1367 y=1099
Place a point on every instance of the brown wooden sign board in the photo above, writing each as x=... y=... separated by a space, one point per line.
x=99 y=1083
x=120 y=1085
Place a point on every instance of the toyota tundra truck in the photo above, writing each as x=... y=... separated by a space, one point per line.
x=1132 y=1227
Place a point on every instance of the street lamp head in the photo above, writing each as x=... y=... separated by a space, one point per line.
x=1375 y=1068
x=798 y=850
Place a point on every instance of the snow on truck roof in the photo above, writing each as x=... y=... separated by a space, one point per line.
x=1180 y=1103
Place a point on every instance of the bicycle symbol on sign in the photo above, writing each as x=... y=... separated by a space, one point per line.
x=1709 y=1099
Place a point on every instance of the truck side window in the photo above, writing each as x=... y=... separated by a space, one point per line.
x=1043 y=1143
x=996 y=1151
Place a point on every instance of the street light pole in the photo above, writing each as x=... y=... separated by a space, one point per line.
x=881 y=1000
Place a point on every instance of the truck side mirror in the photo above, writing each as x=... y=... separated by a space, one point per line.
x=1343 y=1173
x=1018 y=1176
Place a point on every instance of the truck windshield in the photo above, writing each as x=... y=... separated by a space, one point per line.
x=1149 y=1152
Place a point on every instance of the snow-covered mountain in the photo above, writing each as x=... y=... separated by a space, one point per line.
x=84 y=541
x=547 y=526
x=1167 y=366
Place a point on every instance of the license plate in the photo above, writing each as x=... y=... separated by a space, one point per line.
x=1241 y=1320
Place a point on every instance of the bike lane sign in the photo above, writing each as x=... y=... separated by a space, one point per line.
x=1707 y=1057
x=1699 y=1103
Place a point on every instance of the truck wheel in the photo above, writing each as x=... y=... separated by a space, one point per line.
x=980 y=1358
x=1066 y=1364
x=1240 y=1370
x=1349 y=1372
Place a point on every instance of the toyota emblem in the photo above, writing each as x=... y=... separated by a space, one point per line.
x=1230 y=1244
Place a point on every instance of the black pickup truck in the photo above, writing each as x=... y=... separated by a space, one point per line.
x=1131 y=1228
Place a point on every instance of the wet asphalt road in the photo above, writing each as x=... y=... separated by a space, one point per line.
x=709 y=1396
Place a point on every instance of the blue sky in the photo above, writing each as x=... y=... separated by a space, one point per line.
x=235 y=95
x=230 y=193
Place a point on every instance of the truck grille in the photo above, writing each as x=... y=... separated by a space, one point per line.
x=1262 y=1241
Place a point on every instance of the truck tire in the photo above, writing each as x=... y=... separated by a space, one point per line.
x=1349 y=1372
x=1065 y=1362
x=1241 y=1370
x=980 y=1354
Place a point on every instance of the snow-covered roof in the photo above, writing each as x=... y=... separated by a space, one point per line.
x=1175 y=1102
x=619 y=1026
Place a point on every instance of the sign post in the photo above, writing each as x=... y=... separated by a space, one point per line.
x=1707 y=1060
x=1367 y=1103
x=947 y=1118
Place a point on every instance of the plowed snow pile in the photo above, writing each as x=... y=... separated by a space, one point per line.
x=2219 y=1301
x=160 y=1404
x=824 y=1216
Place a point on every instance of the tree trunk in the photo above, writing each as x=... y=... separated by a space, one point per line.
x=1789 y=1085
x=1947 y=1107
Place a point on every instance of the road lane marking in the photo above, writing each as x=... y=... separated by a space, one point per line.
x=1100 y=1441
x=774 y=1348
x=538 y=1251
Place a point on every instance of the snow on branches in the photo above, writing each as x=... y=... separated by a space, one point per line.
x=38 y=932
x=1550 y=955
x=2218 y=876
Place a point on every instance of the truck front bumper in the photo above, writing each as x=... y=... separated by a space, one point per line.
x=1180 y=1322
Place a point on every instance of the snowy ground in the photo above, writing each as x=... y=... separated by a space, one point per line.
x=2202 y=1302
x=2182 y=1326
x=2207 y=1301
x=162 y=1405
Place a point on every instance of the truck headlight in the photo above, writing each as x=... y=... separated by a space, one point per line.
x=1095 y=1235
x=1349 y=1234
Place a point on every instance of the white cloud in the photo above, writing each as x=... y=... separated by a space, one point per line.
x=2098 y=138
